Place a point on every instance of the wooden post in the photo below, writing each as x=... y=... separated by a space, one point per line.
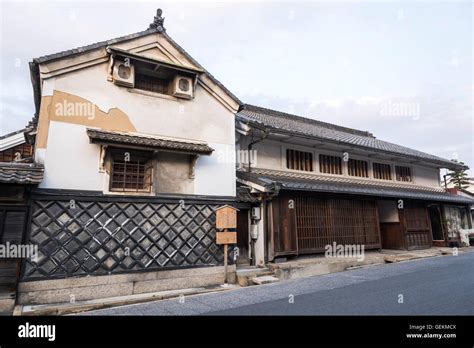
x=225 y=260
x=226 y=217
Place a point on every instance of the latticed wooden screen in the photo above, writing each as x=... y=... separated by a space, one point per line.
x=105 y=237
x=320 y=222
x=418 y=228
x=330 y=164
x=382 y=171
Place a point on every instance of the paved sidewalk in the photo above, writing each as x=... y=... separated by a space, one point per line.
x=308 y=266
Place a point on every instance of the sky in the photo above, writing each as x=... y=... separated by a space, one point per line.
x=402 y=70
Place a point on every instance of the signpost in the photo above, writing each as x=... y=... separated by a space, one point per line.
x=226 y=217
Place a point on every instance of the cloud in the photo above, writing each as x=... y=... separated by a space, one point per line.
x=323 y=60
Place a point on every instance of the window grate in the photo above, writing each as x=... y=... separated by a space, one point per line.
x=358 y=168
x=299 y=160
x=131 y=175
x=403 y=173
x=151 y=84
x=330 y=164
x=382 y=171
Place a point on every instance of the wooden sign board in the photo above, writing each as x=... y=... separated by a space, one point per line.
x=226 y=217
x=226 y=238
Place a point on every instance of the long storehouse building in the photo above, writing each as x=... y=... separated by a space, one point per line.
x=320 y=183
x=133 y=147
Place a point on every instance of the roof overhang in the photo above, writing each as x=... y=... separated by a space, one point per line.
x=268 y=179
x=148 y=142
x=21 y=173
x=117 y=52
x=243 y=121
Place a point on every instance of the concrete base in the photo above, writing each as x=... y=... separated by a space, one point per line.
x=6 y=306
x=98 y=287
x=267 y=279
x=318 y=265
x=245 y=274
x=84 y=306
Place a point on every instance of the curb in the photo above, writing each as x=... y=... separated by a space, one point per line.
x=83 y=306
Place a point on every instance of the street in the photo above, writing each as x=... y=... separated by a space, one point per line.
x=433 y=286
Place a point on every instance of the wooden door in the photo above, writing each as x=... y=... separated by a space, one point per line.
x=305 y=224
x=393 y=235
x=436 y=223
x=243 y=236
x=284 y=226
x=418 y=227
x=323 y=221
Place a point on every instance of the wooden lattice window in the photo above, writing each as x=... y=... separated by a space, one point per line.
x=382 y=171
x=403 y=173
x=131 y=171
x=330 y=164
x=358 y=168
x=299 y=160
x=320 y=222
x=151 y=83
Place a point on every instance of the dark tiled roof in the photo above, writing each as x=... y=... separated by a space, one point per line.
x=21 y=173
x=103 y=44
x=82 y=49
x=244 y=195
x=149 y=141
x=319 y=183
x=297 y=125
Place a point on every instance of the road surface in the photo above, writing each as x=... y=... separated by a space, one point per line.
x=433 y=286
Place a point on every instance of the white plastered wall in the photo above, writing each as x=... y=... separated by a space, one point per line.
x=72 y=162
x=271 y=155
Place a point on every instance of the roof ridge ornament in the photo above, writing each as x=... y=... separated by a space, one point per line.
x=158 y=21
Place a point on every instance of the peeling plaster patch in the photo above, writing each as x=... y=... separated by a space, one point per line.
x=71 y=107
x=113 y=119
x=43 y=123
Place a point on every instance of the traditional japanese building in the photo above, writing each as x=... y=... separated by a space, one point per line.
x=319 y=183
x=132 y=149
x=129 y=136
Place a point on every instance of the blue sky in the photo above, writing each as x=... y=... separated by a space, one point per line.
x=340 y=62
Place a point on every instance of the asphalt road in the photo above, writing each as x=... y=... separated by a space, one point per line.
x=434 y=286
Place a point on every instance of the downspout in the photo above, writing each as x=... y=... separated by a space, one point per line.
x=252 y=143
x=264 y=199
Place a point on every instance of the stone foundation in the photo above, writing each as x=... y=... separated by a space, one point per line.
x=96 y=287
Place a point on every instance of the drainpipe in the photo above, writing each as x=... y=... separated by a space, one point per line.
x=263 y=203
x=252 y=143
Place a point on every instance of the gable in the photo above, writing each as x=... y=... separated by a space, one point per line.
x=150 y=44
x=155 y=53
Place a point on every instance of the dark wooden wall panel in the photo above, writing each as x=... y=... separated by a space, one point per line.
x=318 y=221
x=418 y=226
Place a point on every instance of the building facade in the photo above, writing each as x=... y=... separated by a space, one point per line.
x=132 y=149
x=318 y=183
x=133 y=138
